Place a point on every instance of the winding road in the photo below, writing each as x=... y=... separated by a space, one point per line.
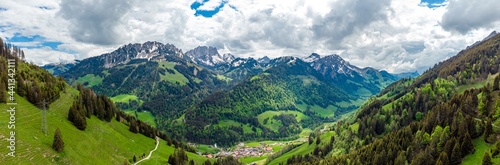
x=150 y=153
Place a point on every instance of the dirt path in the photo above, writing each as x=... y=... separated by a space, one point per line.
x=150 y=153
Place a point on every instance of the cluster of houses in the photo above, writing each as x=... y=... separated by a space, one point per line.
x=241 y=151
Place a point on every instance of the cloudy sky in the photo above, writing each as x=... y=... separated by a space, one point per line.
x=394 y=35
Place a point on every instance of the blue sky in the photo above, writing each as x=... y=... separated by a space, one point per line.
x=432 y=3
x=36 y=41
x=206 y=13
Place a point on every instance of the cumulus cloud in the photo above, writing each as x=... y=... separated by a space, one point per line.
x=394 y=35
x=346 y=17
x=466 y=15
x=95 y=21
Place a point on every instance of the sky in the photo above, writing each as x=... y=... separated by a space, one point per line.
x=393 y=35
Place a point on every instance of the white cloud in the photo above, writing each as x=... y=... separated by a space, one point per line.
x=397 y=35
x=211 y=5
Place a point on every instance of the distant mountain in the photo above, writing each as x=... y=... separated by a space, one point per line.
x=348 y=76
x=156 y=75
x=407 y=75
x=208 y=57
x=59 y=68
x=177 y=88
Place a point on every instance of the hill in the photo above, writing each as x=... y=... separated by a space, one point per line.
x=111 y=140
x=447 y=115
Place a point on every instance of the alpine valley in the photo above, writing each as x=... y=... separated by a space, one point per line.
x=204 y=97
x=190 y=107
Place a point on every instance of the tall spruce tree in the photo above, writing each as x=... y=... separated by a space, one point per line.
x=58 y=143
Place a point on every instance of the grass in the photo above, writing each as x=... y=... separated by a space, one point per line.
x=246 y=127
x=248 y=160
x=173 y=78
x=203 y=148
x=276 y=124
x=476 y=85
x=223 y=78
x=323 y=112
x=160 y=156
x=303 y=149
x=91 y=79
x=124 y=98
x=481 y=146
x=143 y=116
x=101 y=142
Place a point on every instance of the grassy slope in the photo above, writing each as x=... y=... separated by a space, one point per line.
x=100 y=143
x=303 y=149
x=275 y=123
x=91 y=79
x=174 y=78
x=143 y=116
x=160 y=156
x=477 y=156
x=124 y=98
x=246 y=127
x=323 y=112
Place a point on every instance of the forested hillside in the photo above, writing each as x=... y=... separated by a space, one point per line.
x=441 y=117
x=79 y=123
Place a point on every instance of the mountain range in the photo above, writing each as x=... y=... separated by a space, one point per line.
x=172 y=85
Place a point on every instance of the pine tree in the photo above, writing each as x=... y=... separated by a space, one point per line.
x=3 y=93
x=496 y=83
x=134 y=159
x=487 y=159
x=58 y=143
x=456 y=155
x=318 y=140
x=488 y=131
x=443 y=158
x=401 y=158
x=467 y=146
x=207 y=162
x=311 y=139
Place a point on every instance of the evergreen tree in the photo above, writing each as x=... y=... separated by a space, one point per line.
x=191 y=162
x=318 y=140
x=401 y=158
x=3 y=93
x=443 y=158
x=467 y=146
x=488 y=131
x=496 y=83
x=311 y=139
x=487 y=159
x=134 y=159
x=207 y=162
x=456 y=155
x=58 y=143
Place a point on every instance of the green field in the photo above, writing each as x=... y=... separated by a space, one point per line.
x=124 y=98
x=173 y=78
x=323 y=112
x=160 y=156
x=477 y=157
x=303 y=149
x=203 y=148
x=91 y=79
x=145 y=116
x=101 y=142
x=248 y=160
x=246 y=127
x=275 y=124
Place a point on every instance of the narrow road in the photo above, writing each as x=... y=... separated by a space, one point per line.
x=150 y=153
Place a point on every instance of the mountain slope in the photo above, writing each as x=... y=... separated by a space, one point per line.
x=432 y=119
x=111 y=140
x=285 y=86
